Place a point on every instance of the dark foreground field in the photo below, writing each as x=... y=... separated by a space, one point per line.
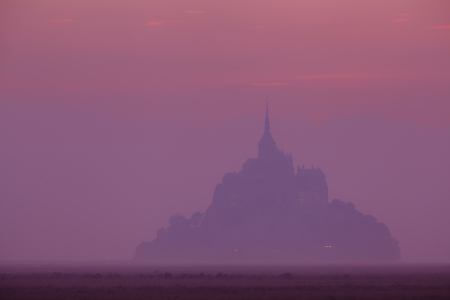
x=106 y=281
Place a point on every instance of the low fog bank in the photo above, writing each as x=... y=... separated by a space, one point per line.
x=128 y=268
x=76 y=186
x=133 y=267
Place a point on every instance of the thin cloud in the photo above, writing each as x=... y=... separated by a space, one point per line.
x=271 y=83
x=400 y=20
x=265 y=27
x=195 y=12
x=258 y=27
x=440 y=27
x=156 y=23
x=343 y=76
x=63 y=21
x=161 y=23
x=402 y=14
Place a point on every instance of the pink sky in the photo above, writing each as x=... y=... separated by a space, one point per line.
x=222 y=57
x=139 y=69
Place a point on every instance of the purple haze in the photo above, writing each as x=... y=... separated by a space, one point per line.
x=88 y=186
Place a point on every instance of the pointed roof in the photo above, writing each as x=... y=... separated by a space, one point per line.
x=266 y=125
x=267 y=142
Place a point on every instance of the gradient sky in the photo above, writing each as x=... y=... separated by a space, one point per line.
x=217 y=59
x=117 y=114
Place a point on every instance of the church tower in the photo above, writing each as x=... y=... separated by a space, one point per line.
x=267 y=146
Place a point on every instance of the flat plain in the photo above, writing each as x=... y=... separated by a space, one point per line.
x=132 y=281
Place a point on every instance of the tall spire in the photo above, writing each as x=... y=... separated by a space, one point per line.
x=267 y=146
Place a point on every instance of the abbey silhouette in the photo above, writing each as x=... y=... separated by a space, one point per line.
x=271 y=213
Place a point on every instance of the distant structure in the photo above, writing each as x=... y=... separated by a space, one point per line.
x=268 y=213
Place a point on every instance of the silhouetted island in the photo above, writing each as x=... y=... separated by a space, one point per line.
x=270 y=213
